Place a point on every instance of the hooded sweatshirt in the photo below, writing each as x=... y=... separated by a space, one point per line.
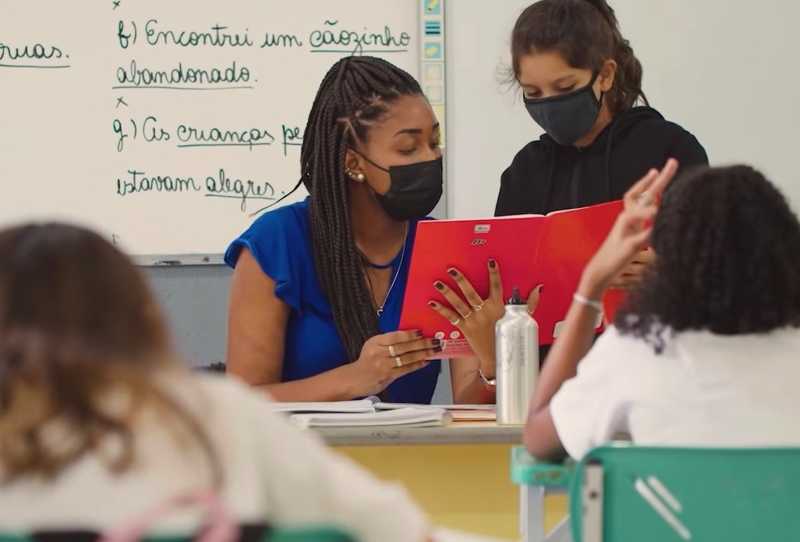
x=546 y=177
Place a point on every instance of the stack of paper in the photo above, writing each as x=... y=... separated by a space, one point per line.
x=404 y=417
x=474 y=415
x=372 y=412
x=459 y=413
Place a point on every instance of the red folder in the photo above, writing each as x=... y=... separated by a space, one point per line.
x=551 y=250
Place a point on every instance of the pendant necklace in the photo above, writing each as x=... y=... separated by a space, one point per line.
x=379 y=309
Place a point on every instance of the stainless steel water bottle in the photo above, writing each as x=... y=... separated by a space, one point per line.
x=517 y=358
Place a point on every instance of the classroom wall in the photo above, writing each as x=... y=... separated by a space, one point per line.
x=195 y=300
x=487 y=122
x=725 y=70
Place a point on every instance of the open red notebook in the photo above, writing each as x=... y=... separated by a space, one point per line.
x=530 y=249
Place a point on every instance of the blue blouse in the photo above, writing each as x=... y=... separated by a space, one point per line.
x=280 y=241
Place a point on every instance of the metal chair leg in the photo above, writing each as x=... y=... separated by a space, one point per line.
x=561 y=532
x=531 y=515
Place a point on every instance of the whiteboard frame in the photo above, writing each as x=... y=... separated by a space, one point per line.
x=189 y=260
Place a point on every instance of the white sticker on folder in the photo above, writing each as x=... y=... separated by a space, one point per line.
x=483 y=228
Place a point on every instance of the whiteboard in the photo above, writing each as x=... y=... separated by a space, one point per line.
x=167 y=124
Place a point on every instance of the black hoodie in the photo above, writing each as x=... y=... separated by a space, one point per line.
x=546 y=176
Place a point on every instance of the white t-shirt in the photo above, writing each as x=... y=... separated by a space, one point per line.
x=702 y=390
x=274 y=473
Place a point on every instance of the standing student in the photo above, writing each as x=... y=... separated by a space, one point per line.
x=582 y=83
x=705 y=352
x=100 y=420
x=318 y=286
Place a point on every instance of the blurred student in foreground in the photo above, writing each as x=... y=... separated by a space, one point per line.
x=99 y=420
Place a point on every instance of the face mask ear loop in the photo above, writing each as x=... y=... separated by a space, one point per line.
x=595 y=77
x=362 y=155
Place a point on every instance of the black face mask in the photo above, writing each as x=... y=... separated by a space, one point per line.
x=569 y=117
x=415 y=189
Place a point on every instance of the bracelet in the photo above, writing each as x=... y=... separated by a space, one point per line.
x=490 y=383
x=596 y=305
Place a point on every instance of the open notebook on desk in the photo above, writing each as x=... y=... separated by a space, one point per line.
x=371 y=411
x=401 y=417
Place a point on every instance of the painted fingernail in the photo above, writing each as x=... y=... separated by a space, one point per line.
x=436 y=342
x=432 y=304
x=492 y=263
x=452 y=272
x=417 y=333
x=540 y=289
x=438 y=285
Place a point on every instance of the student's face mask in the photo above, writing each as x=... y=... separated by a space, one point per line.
x=568 y=117
x=415 y=189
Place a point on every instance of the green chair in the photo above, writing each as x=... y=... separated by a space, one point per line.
x=319 y=535
x=537 y=479
x=626 y=493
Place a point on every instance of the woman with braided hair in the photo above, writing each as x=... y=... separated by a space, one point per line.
x=318 y=285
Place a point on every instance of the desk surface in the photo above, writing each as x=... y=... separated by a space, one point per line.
x=455 y=433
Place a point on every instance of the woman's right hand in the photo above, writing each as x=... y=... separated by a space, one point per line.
x=385 y=358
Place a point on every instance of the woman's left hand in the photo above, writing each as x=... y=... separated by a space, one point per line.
x=474 y=316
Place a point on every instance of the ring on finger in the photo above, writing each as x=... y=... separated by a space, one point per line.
x=644 y=199
x=479 y=307
x=392 y=353
x=468 y=315
x=398 y=362
x=456 y=321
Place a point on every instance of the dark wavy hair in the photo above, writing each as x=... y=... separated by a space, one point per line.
x=728 y=259
x=586 y=33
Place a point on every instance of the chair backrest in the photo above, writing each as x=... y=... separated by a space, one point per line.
x=254 y=533
x=624 y=493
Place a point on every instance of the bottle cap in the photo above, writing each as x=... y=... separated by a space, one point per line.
x=516 y=298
